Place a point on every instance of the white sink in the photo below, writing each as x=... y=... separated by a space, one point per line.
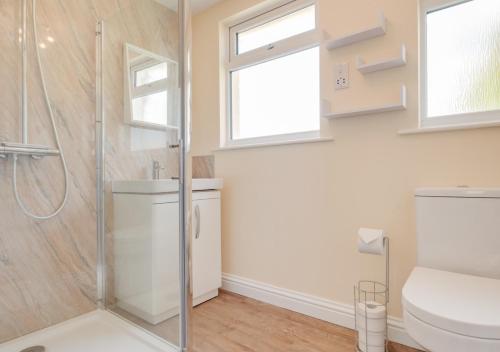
x=164 y=185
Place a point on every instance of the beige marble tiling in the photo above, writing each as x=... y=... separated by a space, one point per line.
x=203 y=166
x=48 y=268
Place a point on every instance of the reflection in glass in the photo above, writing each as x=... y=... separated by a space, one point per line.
x=151 y=91
x=151 y=73
x=151 y=108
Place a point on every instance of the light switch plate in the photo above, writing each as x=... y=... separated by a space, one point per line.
x=342 y=76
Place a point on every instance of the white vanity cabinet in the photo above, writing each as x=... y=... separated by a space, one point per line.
x=146 y=247
x=206 y=246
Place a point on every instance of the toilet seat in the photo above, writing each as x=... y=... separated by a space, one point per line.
x=446 y=311
x=438 y=340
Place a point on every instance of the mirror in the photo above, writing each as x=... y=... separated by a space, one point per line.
x=150 y=89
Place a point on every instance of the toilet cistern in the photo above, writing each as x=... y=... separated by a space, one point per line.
x=450 y=300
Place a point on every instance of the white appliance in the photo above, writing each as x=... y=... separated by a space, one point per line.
x=146 y=246
x=451 y=301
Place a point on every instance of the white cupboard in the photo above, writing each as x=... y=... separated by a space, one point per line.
x=206 y=244
x=146 y=252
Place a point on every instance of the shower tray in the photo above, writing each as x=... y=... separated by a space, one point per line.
x=98 y=331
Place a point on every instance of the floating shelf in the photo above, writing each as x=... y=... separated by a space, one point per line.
x=401 y=105
x=359 y=36
x=381 y=65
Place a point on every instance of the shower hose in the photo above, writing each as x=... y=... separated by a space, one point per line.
x=56 y=135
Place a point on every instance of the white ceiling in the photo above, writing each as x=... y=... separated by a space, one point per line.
x=200 y=5
x=197 y=5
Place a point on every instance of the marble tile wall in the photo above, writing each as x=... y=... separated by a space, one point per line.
x=48 y=268
x=203 y=166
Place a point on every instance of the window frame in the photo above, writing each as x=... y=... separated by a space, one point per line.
x=168 y=85
x=150 y=88
x=459 y=119
x=232 y=62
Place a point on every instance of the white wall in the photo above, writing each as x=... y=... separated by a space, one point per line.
x=291 y=213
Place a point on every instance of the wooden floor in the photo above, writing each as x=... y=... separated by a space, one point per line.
x=233 y=323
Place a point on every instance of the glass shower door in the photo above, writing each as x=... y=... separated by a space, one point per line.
x=140 y=63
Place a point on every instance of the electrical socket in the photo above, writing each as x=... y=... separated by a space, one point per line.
x=342 y=76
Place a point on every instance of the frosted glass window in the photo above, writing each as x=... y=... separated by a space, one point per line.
x=463 y=58
x=151 y=108
x=284 y=27
x=151 y=74
x=280 y=96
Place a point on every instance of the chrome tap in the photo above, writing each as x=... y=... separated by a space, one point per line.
x=156 y=169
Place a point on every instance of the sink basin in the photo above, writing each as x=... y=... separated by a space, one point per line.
x=164 y=185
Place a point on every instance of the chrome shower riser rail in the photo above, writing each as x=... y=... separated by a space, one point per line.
x=32 y=150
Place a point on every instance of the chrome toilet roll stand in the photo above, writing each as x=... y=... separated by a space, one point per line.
x=370 y=311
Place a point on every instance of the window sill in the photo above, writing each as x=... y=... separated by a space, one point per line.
x=276 y=143
x=150 y=126
x=449 y=128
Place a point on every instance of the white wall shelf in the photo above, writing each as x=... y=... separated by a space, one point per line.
x=381 y=65
x=399 y=106
x=361 y=35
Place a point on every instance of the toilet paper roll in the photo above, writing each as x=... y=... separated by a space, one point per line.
x=374 y=325
x=372 y=310
x=371 y=241
x=362 y=347
x=374 y=339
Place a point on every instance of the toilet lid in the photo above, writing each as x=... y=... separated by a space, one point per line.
x=463 y=304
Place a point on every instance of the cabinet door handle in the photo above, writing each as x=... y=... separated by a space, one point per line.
x=198 y=221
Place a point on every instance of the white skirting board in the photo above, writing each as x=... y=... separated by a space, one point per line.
x=316 y=307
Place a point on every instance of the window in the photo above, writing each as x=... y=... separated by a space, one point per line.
x=149 y=73
x=460 y=58
x=273 y=76
x=150 y=89
x=149 y=93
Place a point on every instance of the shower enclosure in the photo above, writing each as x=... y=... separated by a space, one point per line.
x=95 y=115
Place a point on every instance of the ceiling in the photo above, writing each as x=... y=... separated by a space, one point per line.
x=197 y=5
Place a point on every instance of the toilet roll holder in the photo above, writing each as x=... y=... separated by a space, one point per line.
x=370 y=311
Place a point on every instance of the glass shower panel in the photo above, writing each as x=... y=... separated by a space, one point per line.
x=140 y=102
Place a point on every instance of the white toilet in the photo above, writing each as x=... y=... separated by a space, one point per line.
x=451 y=301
